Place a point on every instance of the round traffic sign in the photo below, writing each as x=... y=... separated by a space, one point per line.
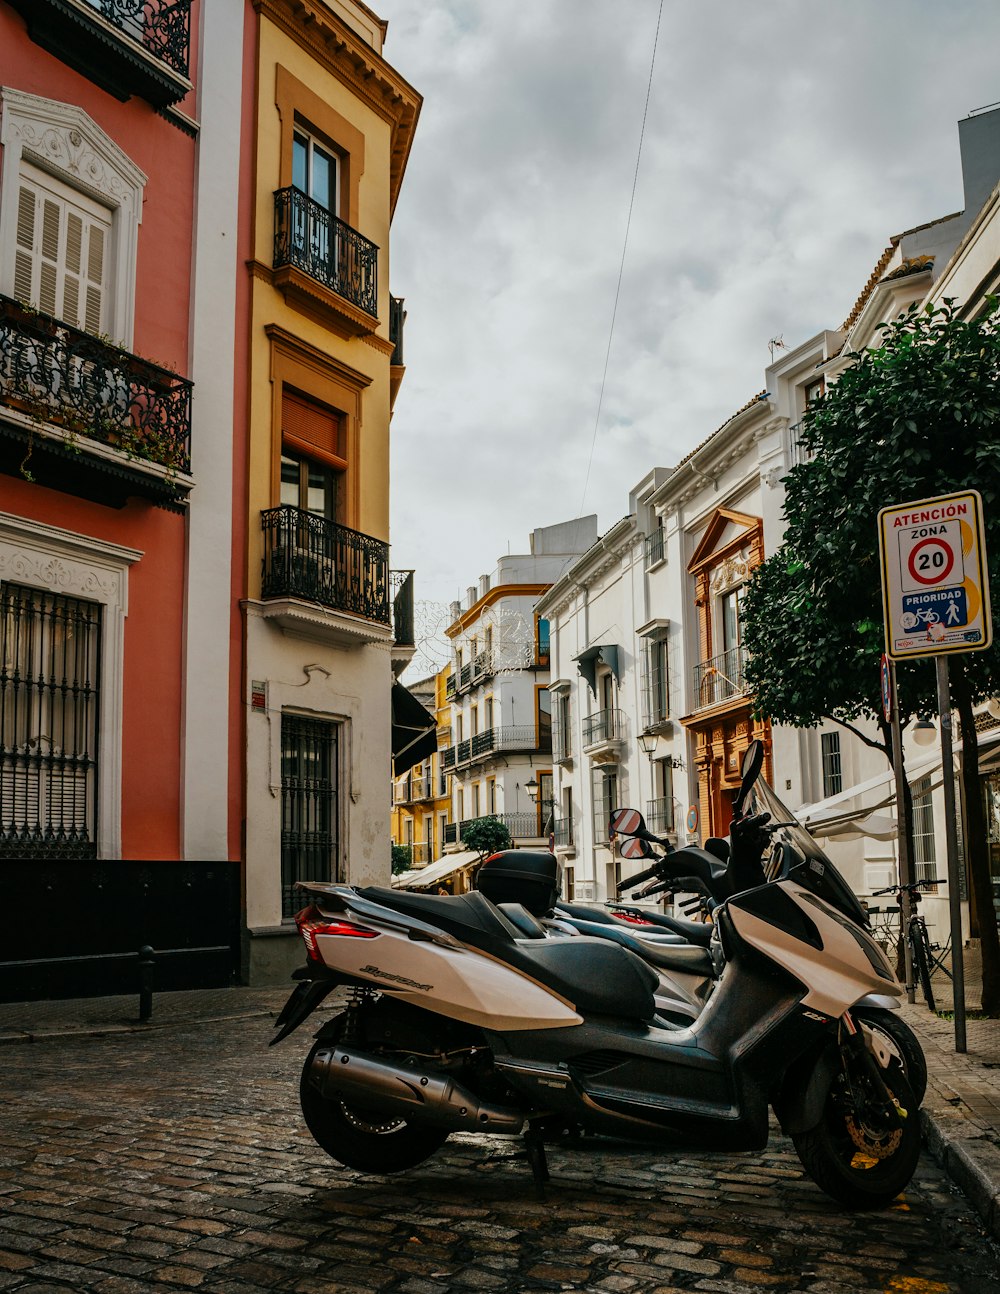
x=931 y=561
x=692 y=818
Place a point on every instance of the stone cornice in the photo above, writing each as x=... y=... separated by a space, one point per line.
x=354 y=63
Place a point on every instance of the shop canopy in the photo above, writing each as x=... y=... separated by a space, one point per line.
x=414 y=730
x=418 y=878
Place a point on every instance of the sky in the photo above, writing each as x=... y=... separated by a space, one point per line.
x=783 y=144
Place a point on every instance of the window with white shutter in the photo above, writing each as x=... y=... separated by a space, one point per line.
x=60 y=257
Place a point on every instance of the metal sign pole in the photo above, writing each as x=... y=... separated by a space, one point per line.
x=951 y=834
x=902 y=828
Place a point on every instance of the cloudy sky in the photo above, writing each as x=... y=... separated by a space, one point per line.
x=784 y=143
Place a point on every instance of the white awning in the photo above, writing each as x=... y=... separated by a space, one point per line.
x=418 y=878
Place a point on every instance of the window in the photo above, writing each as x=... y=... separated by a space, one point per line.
x=310 y=808
x=476 y=808
x=924 y=859
x=491 y=796
x=543 y=639
x=60 y=261
x=314 y=171
x=833 y=781
x=313 y=463
x=544 y=703
x=69 y=252
x=488 y=713
x=50 y=652
x=655 y=552
x=605 y=792
x=656 y=705
x=562 y=739
x=660 y=810
x=730 y=605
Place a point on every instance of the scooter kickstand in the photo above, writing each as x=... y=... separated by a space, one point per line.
x=534 y=1148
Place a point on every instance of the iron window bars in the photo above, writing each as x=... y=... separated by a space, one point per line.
x=310 y=776
x=50 y=661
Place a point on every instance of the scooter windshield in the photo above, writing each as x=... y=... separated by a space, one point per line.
x=798 y=857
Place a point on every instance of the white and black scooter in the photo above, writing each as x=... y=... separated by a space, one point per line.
x=457 y=1024
x=688 y=955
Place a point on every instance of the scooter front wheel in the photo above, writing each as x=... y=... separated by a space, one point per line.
x=857 y=1153
x=361 y=1138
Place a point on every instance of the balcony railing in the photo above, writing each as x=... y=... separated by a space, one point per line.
x=160 y=28
x=401 y=585
x=57 y=374
x=447 y=758
x=449 y=688
x=409 y=789
x=326 y=248
x=397 y=318
x=720 y=678
x=562 y=744
x=521 y=826
x=660 y=815
x=512 y=738
x=562 y=831
x=306 y=556
x=604 y=726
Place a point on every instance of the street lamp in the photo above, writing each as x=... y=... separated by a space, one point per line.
x=647 y=742
x=924 y=732
x=533 y=789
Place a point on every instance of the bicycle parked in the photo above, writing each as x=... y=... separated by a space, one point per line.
x=921 y=949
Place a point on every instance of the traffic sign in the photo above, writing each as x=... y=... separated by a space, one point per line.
x=886 y=681
x=935 y=583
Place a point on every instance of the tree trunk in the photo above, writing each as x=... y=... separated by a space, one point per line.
x=977 y=850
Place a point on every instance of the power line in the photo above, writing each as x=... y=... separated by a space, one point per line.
x=621 y=268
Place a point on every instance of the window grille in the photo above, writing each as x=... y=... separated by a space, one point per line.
x=924 y=859
x=833 y=780
x=655 y=696
x=605 y=792
x=310 y=779
x=50 y=662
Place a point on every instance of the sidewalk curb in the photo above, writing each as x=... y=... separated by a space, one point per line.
x=972 y=1162
x=114 y=1030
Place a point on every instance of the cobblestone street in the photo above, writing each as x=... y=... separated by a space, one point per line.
x=177 y=1159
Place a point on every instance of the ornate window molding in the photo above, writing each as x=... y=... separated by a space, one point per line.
x=61 y=561
x=63 y=140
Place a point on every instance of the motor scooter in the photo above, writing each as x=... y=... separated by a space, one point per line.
x=457 y=1024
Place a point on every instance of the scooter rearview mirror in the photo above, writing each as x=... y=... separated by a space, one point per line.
x=635 y=848
x=627 y=822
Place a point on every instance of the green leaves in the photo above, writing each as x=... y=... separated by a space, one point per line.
x=915 y=418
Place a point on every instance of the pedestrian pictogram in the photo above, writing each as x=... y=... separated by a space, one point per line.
x=935 y=586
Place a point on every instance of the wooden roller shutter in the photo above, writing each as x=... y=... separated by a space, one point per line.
x=312 y=429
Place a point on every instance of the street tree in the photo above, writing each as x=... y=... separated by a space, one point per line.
x=486 y=836
x=402 y=859
x=916 y=416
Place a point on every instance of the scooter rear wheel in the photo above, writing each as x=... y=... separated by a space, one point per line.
x=856 y=1156
x=362 y=1138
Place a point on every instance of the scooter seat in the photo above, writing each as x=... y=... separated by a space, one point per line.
x=596 y=975
x=678 y=955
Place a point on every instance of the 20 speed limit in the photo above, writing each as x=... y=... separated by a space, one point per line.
x=930 y=556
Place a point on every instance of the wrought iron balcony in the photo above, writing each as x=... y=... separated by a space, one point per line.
x=306 y=556
x=603 y=727
x=150 y=58
x=660 y=815
x=397 y=318
x=720 y=678
x=412 y=788
x=516 y=737
x=55 y=376
x=521 y=826
x=449 y=688
x=310 y=238
x=401 y=583
x=562 y=831
x=447 y=758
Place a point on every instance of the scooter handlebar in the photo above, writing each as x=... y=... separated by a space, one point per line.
x=639 y=877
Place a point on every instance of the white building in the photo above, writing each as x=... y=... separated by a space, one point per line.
x=501 y=751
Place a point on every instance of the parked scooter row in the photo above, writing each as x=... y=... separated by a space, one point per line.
x=458 y=1022
x=688 y=955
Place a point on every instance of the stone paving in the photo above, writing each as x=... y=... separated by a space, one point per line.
x=173 y=1157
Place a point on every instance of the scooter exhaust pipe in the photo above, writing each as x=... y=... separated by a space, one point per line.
x=420 y=1095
